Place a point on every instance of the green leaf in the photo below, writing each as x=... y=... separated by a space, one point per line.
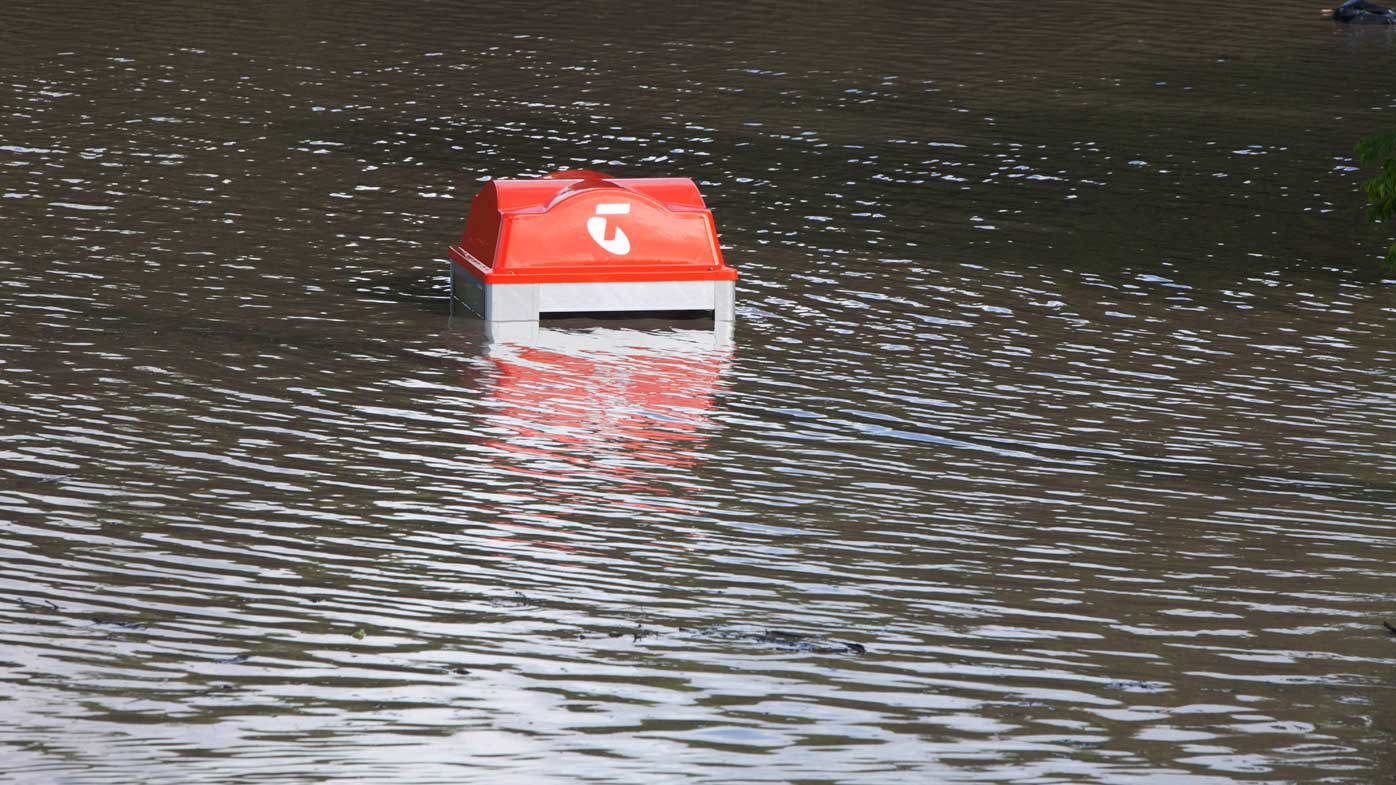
x=1377 y=147
x=1381 y=189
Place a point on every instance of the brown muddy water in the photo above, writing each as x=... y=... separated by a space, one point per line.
x=1054 y=444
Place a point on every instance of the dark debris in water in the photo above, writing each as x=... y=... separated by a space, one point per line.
x=107 y=621
x=1137 y=685
x=790 y=641
x=780 y=639
x=1389 y=627
x=637 y=634
x=519 y=600
x=793 y=641
x=40 y=605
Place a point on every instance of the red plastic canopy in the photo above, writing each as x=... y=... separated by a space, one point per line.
x=580 y=226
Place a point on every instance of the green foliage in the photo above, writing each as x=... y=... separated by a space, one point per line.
x=1381 y=190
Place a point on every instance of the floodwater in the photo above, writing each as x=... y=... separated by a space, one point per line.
x=1054 y=443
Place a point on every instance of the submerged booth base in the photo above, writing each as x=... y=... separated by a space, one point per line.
x=511 y=311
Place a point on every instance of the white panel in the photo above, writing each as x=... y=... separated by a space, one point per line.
x=646 y=296
x=512 y=302
x=726 y=308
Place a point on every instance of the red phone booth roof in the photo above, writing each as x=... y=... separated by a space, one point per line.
x=581 y=226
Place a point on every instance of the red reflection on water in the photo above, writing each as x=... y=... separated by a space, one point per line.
x=602 y=421
x=573 y=407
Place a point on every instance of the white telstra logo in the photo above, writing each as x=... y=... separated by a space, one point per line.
x=596 y=227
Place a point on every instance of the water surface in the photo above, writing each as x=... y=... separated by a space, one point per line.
x=1054 y=444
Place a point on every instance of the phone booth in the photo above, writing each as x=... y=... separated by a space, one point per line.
x=579 y=241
